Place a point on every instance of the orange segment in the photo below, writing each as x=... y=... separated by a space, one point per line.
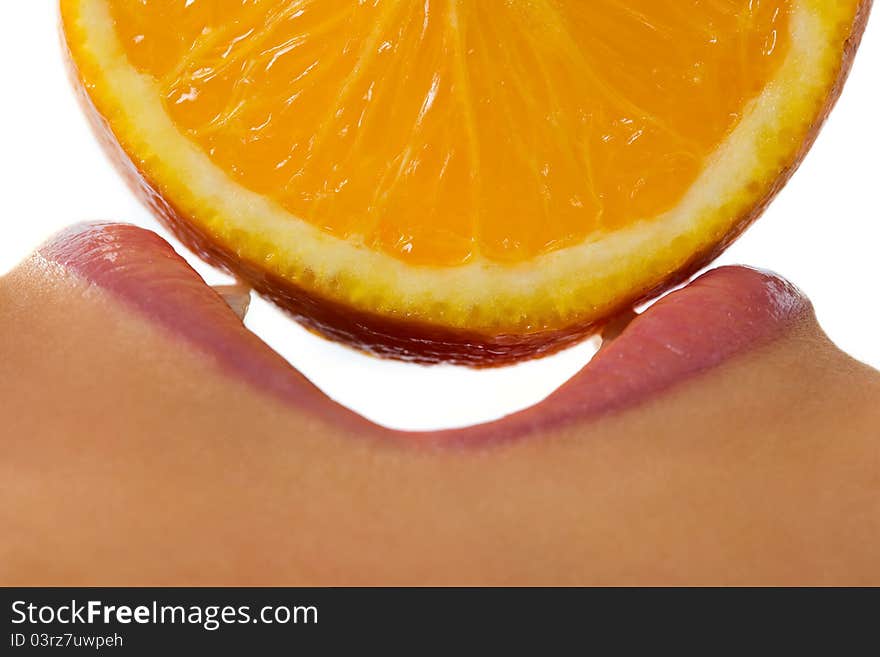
x=441 y=130
x=466 y=180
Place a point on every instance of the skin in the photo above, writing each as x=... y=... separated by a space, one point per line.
x=150 y=439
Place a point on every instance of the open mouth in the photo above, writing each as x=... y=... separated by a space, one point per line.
x=719 y=315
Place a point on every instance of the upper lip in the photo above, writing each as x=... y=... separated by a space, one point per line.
x=721 y=313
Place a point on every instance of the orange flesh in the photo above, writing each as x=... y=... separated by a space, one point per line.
x=439 y=131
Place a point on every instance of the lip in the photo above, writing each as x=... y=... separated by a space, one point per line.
x=722 y=313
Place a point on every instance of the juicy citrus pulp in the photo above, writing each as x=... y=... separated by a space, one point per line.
x=448 y=130
x=506 y=167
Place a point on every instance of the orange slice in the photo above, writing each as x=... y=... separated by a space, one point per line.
x=465 y=180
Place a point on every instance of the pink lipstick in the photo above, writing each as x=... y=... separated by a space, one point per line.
x=722 y=313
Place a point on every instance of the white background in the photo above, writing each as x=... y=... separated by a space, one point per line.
x=823 y=233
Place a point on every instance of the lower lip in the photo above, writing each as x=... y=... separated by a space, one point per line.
x=723 y=313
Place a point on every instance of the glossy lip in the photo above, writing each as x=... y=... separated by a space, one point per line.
x=720 y=314
x=142 y=270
